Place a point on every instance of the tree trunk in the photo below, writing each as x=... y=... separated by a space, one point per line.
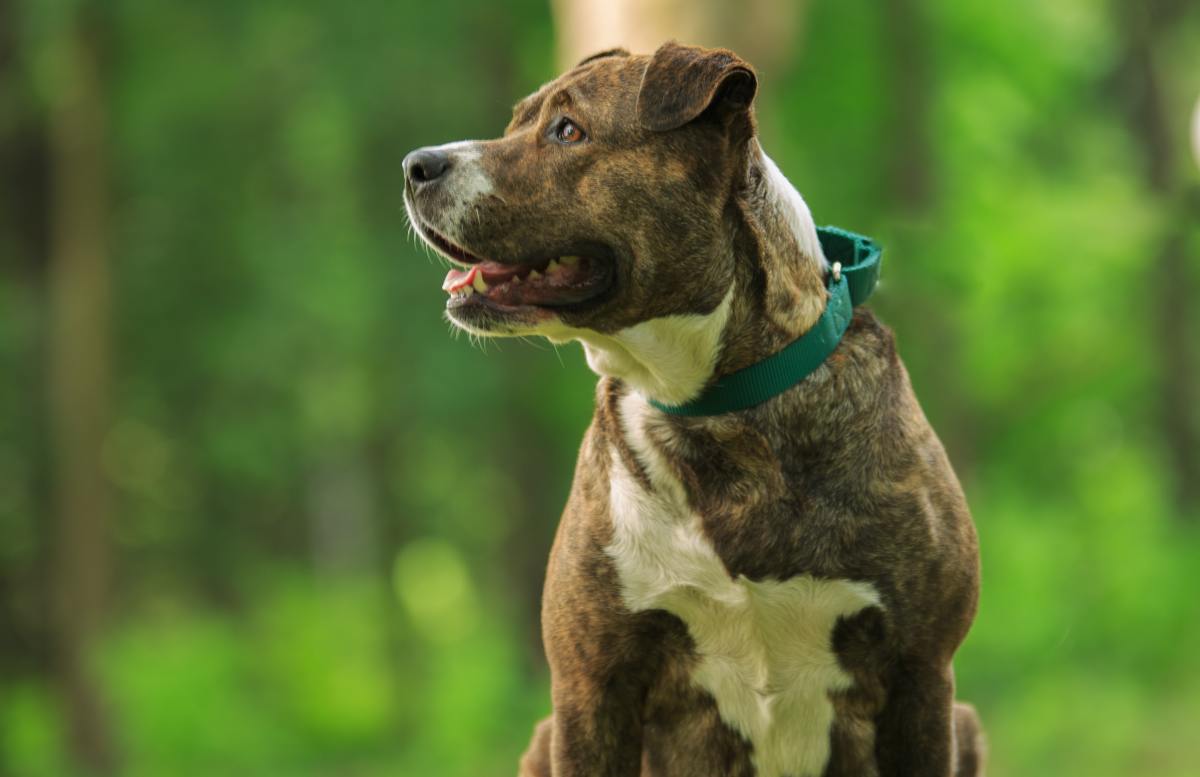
x=910 y=184
x=1145 y=24
x=764 y=32
x=1196 y=132
x=78 y=385
x=906 y=51
x=24 y=638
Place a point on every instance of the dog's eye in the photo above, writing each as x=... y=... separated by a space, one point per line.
x=568 y=131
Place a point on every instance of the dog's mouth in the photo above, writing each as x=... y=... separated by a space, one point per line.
x=564 y=280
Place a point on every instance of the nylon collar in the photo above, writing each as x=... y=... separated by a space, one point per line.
x=854 y=262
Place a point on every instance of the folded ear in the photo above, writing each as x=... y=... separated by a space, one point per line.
x=681 y=82
x=617 y=52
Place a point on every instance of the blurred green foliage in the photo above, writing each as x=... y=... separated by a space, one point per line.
x=332 y=517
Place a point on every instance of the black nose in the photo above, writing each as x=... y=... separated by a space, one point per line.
x=425 y=164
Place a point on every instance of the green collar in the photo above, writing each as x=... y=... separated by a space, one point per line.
x=854 y=262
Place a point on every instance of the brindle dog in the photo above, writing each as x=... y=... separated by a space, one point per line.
x=773 y=591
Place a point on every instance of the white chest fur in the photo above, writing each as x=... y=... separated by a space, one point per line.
x=765 y=652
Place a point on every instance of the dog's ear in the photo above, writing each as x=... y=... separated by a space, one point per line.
x=617 y=52
x=682 y=82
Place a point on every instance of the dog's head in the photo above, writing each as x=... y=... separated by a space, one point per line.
x=615 y=209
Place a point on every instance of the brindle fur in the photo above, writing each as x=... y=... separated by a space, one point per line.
x=840 y=477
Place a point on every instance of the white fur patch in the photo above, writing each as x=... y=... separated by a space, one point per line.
x=669 y=358
x=794 y=209
x=765 y=647
x=466 y=183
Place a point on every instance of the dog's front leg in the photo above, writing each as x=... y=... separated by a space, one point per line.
x=536 y=760
x=598 y=740
x=603 y=658
x=601 y=668
x=915 y=730
x=570 y=752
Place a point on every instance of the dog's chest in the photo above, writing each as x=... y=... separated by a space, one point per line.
x=765 y=652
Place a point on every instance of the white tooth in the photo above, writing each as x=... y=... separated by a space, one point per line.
x=552 y=267
x=569 y=261
x=467 y=291
x=516 y=279
x=534 y=275
x=479 y=283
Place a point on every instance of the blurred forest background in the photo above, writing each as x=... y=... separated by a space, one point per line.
x=261 y=515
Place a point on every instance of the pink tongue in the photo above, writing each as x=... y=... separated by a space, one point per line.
x=493 y=274
x=457 y=279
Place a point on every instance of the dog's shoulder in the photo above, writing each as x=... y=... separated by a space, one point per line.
x=605 y=448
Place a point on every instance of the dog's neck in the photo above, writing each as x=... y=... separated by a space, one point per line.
x=778 y=263
x=776 y=294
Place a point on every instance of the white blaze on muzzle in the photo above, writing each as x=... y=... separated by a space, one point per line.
x=463 y=185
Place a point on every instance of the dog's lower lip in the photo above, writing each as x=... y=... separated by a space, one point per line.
x=558 y=283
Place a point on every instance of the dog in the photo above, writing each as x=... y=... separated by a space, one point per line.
x=775 y=589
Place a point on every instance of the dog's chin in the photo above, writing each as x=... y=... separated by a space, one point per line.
x=480 y=316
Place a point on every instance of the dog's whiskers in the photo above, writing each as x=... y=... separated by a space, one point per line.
x=477 y=341
x=534 y=343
